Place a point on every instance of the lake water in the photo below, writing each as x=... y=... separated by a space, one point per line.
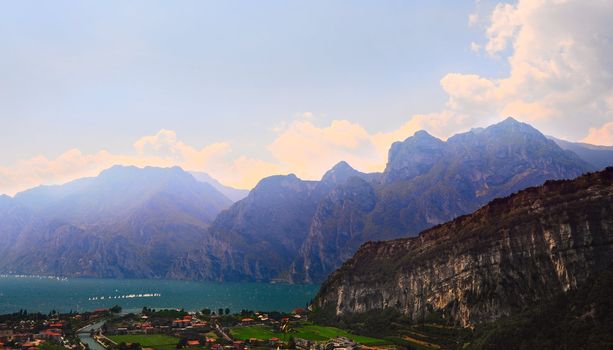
x=45 y=294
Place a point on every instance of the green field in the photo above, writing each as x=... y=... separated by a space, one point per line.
x=156 y=341
x=305 y=331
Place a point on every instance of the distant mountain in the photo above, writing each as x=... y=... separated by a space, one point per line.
x=257 y=238
x=126 y=222
x=234 y=194
x=513 y=253
x=153 y=222
x=300 y=231
x=426 y=182
x=599 y=157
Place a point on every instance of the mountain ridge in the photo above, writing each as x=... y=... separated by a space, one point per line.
x=507 y=255
x=285 y=229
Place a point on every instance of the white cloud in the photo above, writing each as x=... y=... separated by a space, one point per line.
x=308 y=150
x=474 y=47
x=600 y=136
x=560 y=78
x=163 y=149
x=473 y=19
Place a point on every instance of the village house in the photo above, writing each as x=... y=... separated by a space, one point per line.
x=193 y=343
x=54 y=335
x=181 y=323
x=247 y=321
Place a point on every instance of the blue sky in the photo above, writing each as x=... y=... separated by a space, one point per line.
x=91 y=75
x=99 y=76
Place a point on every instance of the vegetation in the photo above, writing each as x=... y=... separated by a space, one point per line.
x=580 y=319
x=116 y=309
x=51 y=346
x=164 y=313
x=308 y=331
x=155 y=341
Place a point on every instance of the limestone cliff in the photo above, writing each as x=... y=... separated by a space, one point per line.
x=507 y=255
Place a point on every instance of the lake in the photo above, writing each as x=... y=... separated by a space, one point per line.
x=46 y=294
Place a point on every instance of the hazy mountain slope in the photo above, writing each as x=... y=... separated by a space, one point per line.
x=119 y=191
x=15 y=219
x=507 y=255
x=155 y=222
x=428 y=181
x=126 y=222
x=257 y=238
x=599 y=157
x=234 y=194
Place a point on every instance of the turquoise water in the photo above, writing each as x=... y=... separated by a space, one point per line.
x=44 y=294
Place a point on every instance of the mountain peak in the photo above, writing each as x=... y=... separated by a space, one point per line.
x=423 y=134
x=512 y=124
x=340 y=173
x=510 y=121
x=413 y=156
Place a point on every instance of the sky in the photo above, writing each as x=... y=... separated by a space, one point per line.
x=247 y=89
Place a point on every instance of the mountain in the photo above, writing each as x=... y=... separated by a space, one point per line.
x=257 y=238
x=15 y=219
x=152 y=222
x=234 y=194
x=511 y=254
x=126 y=222
x=581 y=318
x=599 y=157
x=426 y=182
x=300 y=231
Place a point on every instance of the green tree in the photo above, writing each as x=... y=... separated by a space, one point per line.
x=291 y=344
x=182 y=343
x=116 y=309
x=227 y=311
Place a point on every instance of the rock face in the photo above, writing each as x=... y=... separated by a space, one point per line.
x=509 y=254
x=300 y=231
x=257 y=238
x=427 y=182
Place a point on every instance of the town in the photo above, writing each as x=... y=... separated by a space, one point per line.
x=166 y=329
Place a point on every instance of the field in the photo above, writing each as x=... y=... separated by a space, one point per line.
x=156 y=341
x=305 y=331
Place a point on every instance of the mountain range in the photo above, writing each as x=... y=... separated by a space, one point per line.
x=168 y=223
x=126 y=222
x=510 y=255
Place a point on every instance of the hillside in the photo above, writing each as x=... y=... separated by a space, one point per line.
x=426 y=182
x=510 y=254
x=126 y=222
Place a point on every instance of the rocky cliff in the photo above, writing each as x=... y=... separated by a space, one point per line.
x=509 y=254
x=426 y=182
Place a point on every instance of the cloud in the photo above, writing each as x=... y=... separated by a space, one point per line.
x=473 y=19
x=560 y=78
x=600 y=136
x=163 y=149
x=474 y=47
x=309 y=151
